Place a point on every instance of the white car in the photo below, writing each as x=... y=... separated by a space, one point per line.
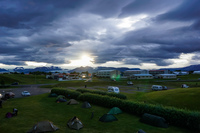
x=113 y=89
x=26 y=93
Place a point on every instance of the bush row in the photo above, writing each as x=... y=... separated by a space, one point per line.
x=121 y=96
x=67 y=93
x=174 y=116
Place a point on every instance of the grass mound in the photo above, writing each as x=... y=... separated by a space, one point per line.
x=186 y=98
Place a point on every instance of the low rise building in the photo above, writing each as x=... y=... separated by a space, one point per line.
x=166 y=76
x=108 y=73
x=142 y=76
x=155 y=72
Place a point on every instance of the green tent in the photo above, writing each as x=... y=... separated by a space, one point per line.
x=115 y=110
x=60 y=97
x=108 y=118
x=75 y=123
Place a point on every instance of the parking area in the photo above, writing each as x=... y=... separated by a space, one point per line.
x=33 y=89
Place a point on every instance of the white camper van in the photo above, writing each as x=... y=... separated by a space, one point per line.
x=157 y=87
x=113 y=89
x=184 y=86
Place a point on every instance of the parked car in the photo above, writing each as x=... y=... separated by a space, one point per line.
x=113 y=89
x=9 y=95
x=164 y=87
x=184 y=86
x=129 y=83
x=15 y=83
x=26 y=93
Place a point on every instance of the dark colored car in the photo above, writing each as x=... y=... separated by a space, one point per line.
x=15 y=83
x=9 y=95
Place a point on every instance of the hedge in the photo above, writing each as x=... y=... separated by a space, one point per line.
x=118 y=95
x=177 y=117
x=67 y=93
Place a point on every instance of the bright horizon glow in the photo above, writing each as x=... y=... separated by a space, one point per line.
x=36 y=64
x=85 y=60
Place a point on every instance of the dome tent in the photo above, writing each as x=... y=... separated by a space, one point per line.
x=86 y=105
x=74 y=123
x=115 y=110
x=72 y=102
x=43 y=126
x=108 y=118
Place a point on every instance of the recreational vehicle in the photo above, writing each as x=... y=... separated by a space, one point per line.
x=158 y=87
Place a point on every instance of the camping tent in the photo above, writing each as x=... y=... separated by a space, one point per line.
x=8 y=115
x=43 y=126
x=60 y=97
x=61 y=100
x=115 y=110
x=86 y=105
x=154 y=120
x=53 y=95
x=108 y=118
x=72 y=101
x=75 y=123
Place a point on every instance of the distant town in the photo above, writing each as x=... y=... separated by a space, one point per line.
x=105 y=72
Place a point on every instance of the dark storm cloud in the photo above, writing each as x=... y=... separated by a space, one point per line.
x=28 y=14
x=188 y=10
x=52 y=31
x=108 y=55
x=137 y=7
x=108 y=8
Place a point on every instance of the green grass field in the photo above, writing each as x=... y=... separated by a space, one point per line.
x=186 y=98
x=41 y=107
x=25 y=79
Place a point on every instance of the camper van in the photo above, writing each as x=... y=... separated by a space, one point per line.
x=157 y=87
x=184 y=86
x=113 y=89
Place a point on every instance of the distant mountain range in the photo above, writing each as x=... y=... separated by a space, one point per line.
x=188 y=68
x=90 y=69
x=41 y=69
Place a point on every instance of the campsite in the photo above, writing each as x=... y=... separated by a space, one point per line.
x=37 y=108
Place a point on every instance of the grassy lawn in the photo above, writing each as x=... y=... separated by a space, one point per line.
x=186 y=98
x=38 y=108
x=25 y=79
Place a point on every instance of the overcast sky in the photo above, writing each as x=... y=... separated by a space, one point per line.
x=146 y=34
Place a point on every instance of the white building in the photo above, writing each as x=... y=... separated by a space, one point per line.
x=166 y=76
x=108 y=73
x=142 y=76
x=181 y=73
x=129 y=73
x=196 y=72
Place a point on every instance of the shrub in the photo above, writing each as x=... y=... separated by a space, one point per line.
x=121 y=96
